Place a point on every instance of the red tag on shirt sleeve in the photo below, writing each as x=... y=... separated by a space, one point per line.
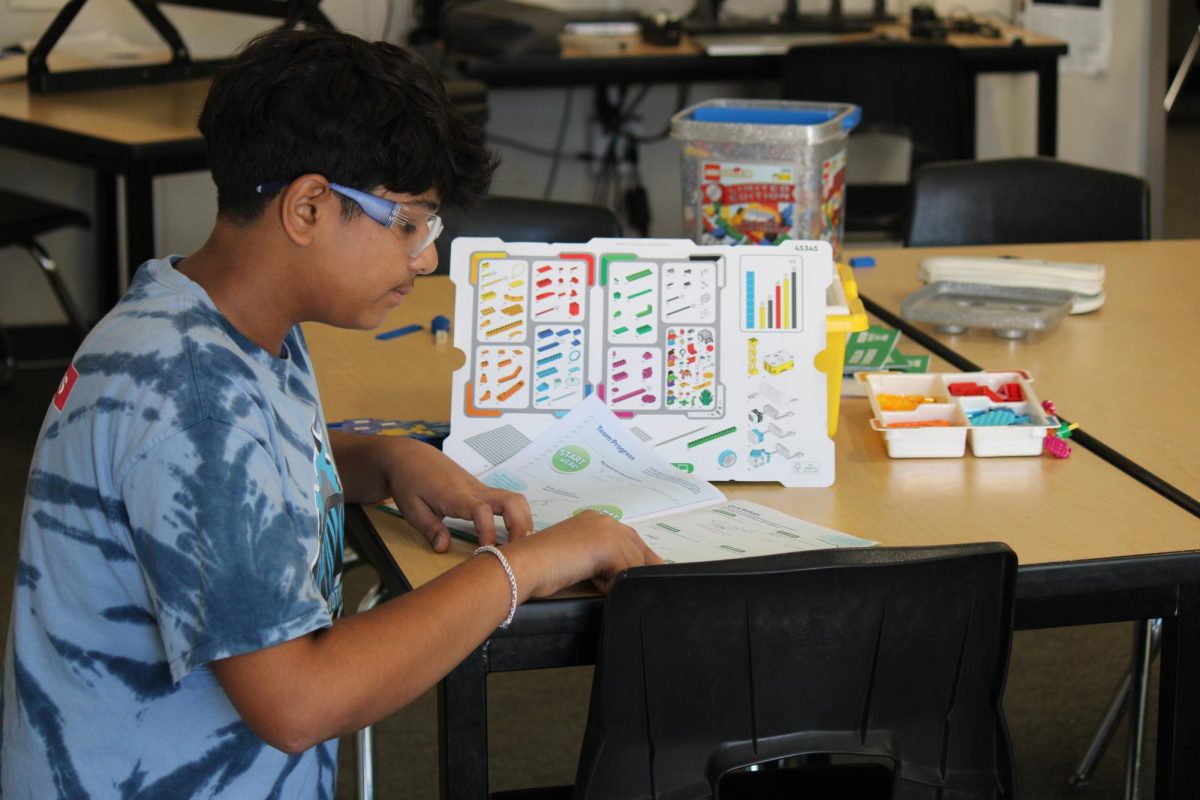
x=65 y=386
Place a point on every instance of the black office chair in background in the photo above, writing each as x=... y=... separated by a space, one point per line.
x=1024 y=201
x=836 y=673
x=520 y=219
x=1036 y=200
x=22 y=220
x=917 y=92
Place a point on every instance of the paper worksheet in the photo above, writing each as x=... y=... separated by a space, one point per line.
x=737 y=530
x=590 y=460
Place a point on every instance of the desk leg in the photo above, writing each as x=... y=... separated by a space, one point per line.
x=462 y=728
x=108 y=246
x=1047 y=124
x=970 y=105
x=139 y=216
x=1178 y=773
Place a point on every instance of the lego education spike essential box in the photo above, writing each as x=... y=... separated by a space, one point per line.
x=726 y=360
x=764 y=171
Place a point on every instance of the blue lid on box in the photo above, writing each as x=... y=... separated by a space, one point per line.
x=773 y=116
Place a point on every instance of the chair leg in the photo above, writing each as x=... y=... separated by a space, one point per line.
x=1119 y=704
x=364 y=744
x=50 y=270
x=8 y=365
x=1181 y=75
x=1143 y=651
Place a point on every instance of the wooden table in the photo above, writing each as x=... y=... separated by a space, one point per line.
x=1125 y=373
x=1095 y=545
x=134 y=132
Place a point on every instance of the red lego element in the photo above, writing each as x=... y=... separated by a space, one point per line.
x=965 y=389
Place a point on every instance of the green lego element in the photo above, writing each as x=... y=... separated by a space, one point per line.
x=608 y=257
x=711 y=436
x=644 y=329
x=637 y=276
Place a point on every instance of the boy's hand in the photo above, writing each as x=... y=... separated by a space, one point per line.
x=427 y=486
x=589 y=545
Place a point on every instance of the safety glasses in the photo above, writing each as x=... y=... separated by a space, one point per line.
x=416 y=228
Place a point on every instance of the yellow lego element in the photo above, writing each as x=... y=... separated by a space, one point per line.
x=778 y=362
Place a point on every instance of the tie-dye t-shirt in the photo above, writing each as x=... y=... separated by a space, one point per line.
x=182 y=507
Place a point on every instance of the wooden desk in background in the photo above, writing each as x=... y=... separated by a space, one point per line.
x=134 y=133
x=1094 y=545
x=595 y=60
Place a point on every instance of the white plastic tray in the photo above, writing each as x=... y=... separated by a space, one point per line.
x=950 y=441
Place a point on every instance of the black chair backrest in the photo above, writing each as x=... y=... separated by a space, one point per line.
x=891 y=652
x=520 y=219
x=917 y=89
x=1025 y=200
x=23 y=218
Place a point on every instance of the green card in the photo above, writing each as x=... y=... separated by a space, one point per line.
x=870 y=350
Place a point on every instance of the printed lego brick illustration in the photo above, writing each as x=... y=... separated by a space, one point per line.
x=705 y=350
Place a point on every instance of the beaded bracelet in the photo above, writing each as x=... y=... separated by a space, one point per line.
x=512 y=581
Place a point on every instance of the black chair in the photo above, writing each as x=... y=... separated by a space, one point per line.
x=22 y=220
x=916 y=91
x=1024 y=201
x=520 y=219
x=896 y=655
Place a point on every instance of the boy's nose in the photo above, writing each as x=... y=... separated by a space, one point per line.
x=426 y=261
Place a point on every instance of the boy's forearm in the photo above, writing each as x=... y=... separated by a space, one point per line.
x=367 y=666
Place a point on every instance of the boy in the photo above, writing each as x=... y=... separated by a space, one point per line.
x=175 y=626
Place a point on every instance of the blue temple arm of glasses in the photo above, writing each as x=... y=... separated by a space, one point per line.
x=377 y=208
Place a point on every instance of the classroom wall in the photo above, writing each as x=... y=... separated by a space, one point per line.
x=1106 y=121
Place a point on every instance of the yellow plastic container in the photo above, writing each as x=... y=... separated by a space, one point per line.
x=844 y=315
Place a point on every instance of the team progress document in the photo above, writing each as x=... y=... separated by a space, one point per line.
x=589 y=459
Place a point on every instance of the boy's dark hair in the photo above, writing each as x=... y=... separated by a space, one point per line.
x=363 y=114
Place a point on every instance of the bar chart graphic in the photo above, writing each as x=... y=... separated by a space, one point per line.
x=770 y=295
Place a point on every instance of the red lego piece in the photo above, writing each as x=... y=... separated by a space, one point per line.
x=965 y=389
x=1013 y=392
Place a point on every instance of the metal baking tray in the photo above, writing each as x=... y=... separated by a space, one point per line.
x=1010 y=312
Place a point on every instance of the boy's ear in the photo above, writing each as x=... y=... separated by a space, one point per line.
x=305 y=203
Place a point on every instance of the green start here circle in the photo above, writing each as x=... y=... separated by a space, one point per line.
x=613 y=511
x=570 y=458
